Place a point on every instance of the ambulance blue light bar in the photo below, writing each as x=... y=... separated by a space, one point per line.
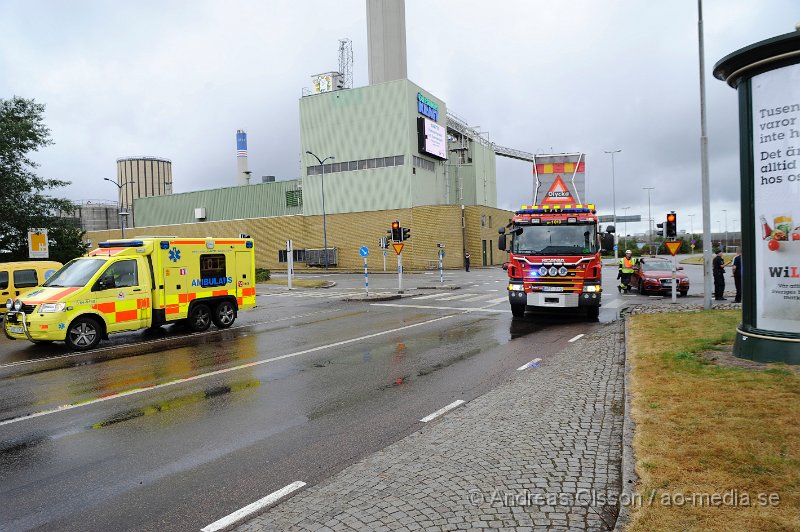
x=121 y=244
x=547 y=209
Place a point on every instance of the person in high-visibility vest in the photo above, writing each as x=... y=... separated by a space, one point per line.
x=626 y=265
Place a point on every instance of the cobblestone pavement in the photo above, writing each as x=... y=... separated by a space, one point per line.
x=540 y=452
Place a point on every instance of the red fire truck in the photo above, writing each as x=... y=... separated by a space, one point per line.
x=554 y=258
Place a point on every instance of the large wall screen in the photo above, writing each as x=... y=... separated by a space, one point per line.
x=432 y=138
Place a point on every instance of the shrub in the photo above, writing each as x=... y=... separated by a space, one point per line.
x=262 y=275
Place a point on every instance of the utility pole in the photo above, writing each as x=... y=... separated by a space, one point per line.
x=626 y=225
x=704 y=165
x=649 y=220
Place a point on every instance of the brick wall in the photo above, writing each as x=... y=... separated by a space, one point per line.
x=347 y=232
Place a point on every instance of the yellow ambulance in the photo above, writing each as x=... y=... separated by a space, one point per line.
x=126 y=285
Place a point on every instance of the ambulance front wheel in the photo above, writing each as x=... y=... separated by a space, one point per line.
x=224 y=314
x=199 y=318
x=83 y=334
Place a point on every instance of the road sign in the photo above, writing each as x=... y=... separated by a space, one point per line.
x=673 y=247
x=693 y=242
x=37 y=244
x=363 y=251
x=616 y=247
x=398 y=248
x=605 y=218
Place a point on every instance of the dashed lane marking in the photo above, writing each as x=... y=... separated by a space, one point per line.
x=575 y=338
x=441 y=411
x=429 y=296
x=135 y=391
x=432 y=307
x=532 y=364
x=241 y=513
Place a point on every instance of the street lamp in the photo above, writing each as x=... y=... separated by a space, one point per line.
x=626 y=225
x=649 y=219
x=614 y=200
x=324 y=223
x=726 y=228
x=122 y=213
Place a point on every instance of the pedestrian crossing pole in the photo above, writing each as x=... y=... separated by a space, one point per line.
x=400 y=272
x=289 y=263
x=441 y=269
x=366 y=277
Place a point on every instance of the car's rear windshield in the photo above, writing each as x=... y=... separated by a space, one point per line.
x=76 y=273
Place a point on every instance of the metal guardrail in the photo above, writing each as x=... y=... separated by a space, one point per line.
x=316 y=257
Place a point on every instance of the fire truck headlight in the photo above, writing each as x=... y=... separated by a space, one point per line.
x=515 y=287
x=562 y=271
x=543 y=270
x=591 y=288
x=52 y=307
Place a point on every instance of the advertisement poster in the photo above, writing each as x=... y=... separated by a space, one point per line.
x=559 y=179
x=776 y=159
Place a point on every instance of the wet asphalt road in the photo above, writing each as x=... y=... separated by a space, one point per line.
x=173 y=431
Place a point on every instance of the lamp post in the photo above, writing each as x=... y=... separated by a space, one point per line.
x=122 y=213
x=726 y=229
x=626 y=225
x=614 y=200
x=324 y=223
x=691 y=230
x=649 y=219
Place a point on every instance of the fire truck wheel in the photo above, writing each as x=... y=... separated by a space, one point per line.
x=224 y=315
x=83 y=334
x=593 y=313
x=518 y=311
x=199 y=318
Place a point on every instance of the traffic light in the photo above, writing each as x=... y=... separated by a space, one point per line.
x=661 y=229
x=382 y=242
x=672 y=225
x=397 y=234
x=406 y=233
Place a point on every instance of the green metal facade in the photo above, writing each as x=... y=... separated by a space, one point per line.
x=231 y=203
x=361 y=124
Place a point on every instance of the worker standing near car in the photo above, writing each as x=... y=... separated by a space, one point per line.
x=626 y=265
x=718 y=266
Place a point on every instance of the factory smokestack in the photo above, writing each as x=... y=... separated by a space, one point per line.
x=386 y=40
x=243 y=172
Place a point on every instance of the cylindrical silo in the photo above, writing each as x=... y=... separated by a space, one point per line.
x=141 y=177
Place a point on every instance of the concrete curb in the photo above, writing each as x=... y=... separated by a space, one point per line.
x=440 y=287
x=374 y=298
x=629 y=477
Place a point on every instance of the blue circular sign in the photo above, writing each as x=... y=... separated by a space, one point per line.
x=363 y=251
x=616 y=248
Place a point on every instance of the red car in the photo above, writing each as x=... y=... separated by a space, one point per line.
x=655 y=276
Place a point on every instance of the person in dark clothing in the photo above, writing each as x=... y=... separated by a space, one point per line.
x=718 y=265
x=466 y=260
x=737 y=276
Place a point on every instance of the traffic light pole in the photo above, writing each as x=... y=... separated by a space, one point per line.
x=400 y=272
x=441 y=270
x=289 y=263
x=674 y=279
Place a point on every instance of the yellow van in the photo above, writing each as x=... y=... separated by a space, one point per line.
x=17 y=278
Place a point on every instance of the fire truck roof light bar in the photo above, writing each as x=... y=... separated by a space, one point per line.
x=121 y=244
x=545 y=209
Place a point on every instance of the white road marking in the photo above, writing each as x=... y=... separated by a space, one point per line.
x=493 y=290
x=430 y=296
x=149 y=342
x=477 y=298
x=240 y=514
x=432 y=307
x=614 y=304
x=441 y=411
x=575 y=338
x=135 y=391
x=496 y=301
x=453 y=298
x=529 y=364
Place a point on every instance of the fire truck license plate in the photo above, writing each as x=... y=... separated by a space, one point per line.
x=15 y=330
x=552 y=289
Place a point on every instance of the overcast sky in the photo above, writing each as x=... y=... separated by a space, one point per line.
x=176 y=79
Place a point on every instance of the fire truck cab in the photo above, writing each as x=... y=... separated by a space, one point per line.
x=554 y=258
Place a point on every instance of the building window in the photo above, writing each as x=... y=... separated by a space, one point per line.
x=398 y=160
x=294 y=198
x=483 y=220
x=299 y=255
x=425 y=164
x=490 y=221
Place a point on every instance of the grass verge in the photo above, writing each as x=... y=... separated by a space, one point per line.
x=698 y=258
x=304 y=283
x=703 y=430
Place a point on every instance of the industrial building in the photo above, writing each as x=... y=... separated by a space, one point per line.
x=369 y=155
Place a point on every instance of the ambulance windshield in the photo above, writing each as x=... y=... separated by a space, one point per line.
x=573 y=239
x=76 y=273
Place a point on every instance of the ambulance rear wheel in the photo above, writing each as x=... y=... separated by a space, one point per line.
x=83 y=334
x=224 y=315
x=199 y=318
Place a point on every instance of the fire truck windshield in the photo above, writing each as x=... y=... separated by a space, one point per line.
x=573 y=239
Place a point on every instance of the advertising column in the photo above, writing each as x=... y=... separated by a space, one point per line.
x=767 y=77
